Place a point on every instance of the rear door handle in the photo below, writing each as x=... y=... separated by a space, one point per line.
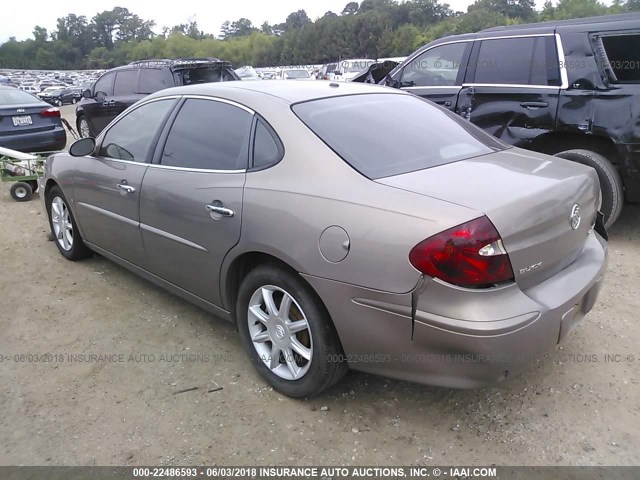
x=109 y=103
x=220 y=209
x=534 y=105
x=445 y=103
x=124 y=188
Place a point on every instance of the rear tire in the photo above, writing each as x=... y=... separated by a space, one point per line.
x=21 y=191
x=34 y=185
x=268 y=330
x=610 y=181
x=64 y=227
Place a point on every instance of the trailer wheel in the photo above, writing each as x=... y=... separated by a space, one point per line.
x=21 y=191
x=34 y=185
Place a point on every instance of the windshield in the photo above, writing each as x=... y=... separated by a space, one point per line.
x=13 y=96
x=381 y=135
x=296 y=74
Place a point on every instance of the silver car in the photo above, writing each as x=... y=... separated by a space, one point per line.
x=339 y=225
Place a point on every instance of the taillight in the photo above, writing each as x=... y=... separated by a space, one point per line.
x=469 y=255
x=50 y=112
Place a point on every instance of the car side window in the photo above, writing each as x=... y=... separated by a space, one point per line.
x=105 y=84
x=133 y=137
x=208 y=134
x=437 y=66
x=152 y=80
x=624 y=57
x=126 y=82
x=518 y=61
x=267 y=149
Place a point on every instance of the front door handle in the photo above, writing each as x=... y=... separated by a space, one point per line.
x=220 y=209
x=109 y=103
x=124 y=188
x=534 y=105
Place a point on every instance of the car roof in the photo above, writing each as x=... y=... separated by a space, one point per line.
x=590 y=24
x=289 y=92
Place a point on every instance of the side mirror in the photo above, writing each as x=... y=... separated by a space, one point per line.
x=86 y=93
x=82 y=147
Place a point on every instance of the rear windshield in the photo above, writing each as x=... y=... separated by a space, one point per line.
x=381 y=135
x=192 y=76
x=13 y=96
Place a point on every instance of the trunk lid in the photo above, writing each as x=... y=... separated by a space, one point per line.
x=27 y=117
x=529 y=197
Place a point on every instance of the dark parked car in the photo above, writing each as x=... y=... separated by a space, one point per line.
x=28 y=124
x=63 y=96
x=121 y=87
x=569 y=88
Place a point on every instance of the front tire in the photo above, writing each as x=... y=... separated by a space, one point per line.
x=610 y=181
x=288 y=333
x=84 y=129
x=64 y=227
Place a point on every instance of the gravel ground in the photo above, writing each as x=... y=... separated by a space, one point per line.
x=572 y=407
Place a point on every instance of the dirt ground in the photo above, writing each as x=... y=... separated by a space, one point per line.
x=573 y=407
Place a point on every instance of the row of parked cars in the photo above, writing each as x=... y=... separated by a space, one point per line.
x=534 y=86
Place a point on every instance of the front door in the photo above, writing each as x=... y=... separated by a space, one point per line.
x=107 y=187
x=191 y=204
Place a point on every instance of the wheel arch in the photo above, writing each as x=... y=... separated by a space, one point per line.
x=556 y=142
x=245 y=262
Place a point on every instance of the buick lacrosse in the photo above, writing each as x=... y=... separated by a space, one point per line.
x=339 y=225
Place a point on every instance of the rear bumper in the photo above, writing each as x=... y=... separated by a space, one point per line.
x=50 y=140
x=454 y=337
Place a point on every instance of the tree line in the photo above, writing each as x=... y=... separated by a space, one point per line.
x=370 y=29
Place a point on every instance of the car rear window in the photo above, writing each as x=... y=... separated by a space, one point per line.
x=11 y=96
x=382 y=135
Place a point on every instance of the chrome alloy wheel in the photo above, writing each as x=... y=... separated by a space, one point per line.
x=61 y=221
x=20 y=192
x=85 y=132
x=280 y=332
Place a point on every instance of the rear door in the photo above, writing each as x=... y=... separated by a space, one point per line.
x=437 y=73
x=512 y=87
x=191 y=204
x=107 y=186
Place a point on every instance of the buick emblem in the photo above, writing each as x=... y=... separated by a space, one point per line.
x=574 y=218
x=280 y=331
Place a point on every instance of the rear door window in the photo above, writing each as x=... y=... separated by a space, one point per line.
x=208 y=134
x=126 y=82
x=381 y=135
x=152 y=80
x=518 y=61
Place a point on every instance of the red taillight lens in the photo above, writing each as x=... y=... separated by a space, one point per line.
x=50 y=112
x=454 y=255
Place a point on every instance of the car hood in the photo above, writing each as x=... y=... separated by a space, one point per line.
x=529 y=197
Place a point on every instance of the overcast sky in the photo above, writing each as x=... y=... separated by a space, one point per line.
x=20 y=16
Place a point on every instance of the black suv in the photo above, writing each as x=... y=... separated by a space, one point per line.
x=121 y=87
x=569 y=88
